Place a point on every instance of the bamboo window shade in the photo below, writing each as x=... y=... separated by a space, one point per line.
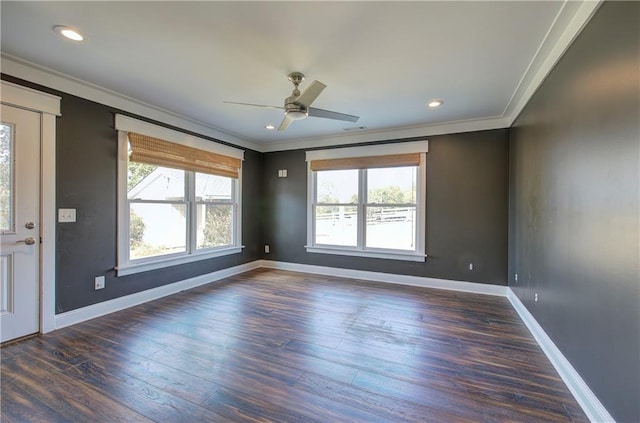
x=154 y=151
x=392 y=160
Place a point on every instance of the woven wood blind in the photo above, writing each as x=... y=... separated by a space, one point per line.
x=154 y=151
x=393 y=160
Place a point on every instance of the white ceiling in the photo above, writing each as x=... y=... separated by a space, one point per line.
x=381 y=61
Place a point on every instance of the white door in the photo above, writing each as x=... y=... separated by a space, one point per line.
x=19 y=222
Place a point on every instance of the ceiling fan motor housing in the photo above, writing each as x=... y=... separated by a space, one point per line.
x=293 y=110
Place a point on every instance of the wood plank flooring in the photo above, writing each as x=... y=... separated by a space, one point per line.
x=275 y=346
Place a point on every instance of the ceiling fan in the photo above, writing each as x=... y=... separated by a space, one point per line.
x=297 y=106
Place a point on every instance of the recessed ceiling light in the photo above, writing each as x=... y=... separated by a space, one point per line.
x=435 y=103
x=69 y=33
x=269 y=127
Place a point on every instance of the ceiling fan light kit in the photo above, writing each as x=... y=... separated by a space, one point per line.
x=297 y=105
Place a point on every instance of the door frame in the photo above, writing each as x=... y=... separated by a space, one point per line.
x=48 y=106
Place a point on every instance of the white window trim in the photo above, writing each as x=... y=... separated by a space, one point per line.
x=421 y=147
x=124 y=125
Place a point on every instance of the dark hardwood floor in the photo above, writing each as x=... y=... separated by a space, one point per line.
x=274 y=346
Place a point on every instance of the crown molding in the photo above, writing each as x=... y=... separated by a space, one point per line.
x=390 y=134
x=49 y=78
x=572 y=17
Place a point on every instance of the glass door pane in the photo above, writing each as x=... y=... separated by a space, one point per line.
x=6 y=178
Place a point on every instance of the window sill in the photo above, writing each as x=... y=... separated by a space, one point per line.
x=389 y=255
x=161 y=263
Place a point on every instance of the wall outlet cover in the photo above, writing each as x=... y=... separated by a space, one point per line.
x=66 y=215
x=99 y=282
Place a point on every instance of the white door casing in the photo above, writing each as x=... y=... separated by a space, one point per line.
x=20 y=223
x=47 y=107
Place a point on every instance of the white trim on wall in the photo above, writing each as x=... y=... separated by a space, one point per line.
x=100 y=309
x=44 y=76
x=110 y=306
x=368 y=150
x=590 y=404
x=48 y=106
x=421 y=281
x=48 y=223
x=30 y=99
x=422 y=131
x=572 y=17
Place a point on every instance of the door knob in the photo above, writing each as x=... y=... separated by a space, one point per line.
x=28 y=241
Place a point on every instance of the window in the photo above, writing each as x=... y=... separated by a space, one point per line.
x=179 y=197
x=368 y=201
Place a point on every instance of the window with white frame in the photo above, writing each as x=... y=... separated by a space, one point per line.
x=368 y=201
x=179 y=197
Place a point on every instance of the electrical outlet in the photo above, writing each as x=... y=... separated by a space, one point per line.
x=266 y=248
x=470 y=266
x=516 y=277
x=99 y=282
x=535 y=297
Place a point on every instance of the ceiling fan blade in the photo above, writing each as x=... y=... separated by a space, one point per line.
x=327 y=114
x=285 y=123
x=310 y=94
x=256 y=105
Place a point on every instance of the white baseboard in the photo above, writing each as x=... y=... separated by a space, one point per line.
x=96 y=310
x=100 y=309
x=590 y=404
x=421 y=281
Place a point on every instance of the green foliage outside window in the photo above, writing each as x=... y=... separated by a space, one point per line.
x=217 y=229
x=137 y=230
x=137 y=172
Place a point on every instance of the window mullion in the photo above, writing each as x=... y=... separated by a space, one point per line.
x=235 y=216
x=313 y=198
x=362 y=200
x=192 y=211
x=126 y=222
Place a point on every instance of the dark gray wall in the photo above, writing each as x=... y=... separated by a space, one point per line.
x=574 y=219
x=467 y=221
x=573 y=212
x=86 y=179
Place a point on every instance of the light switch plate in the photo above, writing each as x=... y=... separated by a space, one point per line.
x=66 y=215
